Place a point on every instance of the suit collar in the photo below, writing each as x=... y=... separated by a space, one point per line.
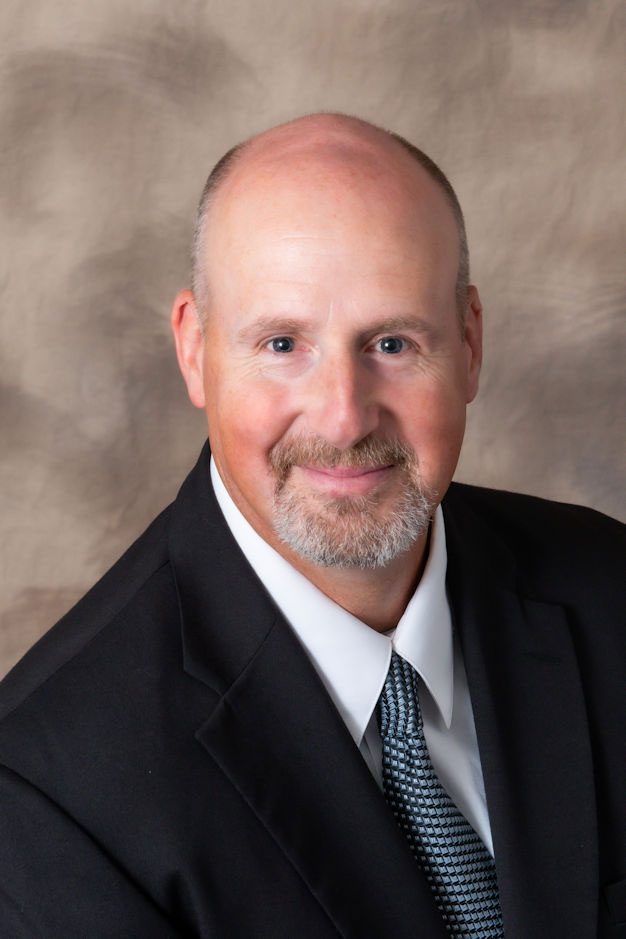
x=225 y=612
x=532 y=732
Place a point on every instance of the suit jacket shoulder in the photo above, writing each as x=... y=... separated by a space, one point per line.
x=558 y=548
x=118 y=587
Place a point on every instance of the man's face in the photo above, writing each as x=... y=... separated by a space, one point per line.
x=335 y=373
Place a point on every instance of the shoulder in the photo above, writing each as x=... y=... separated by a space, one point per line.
x=139 y=579
x=90 y=705
x=515 y=508
x=551 y=542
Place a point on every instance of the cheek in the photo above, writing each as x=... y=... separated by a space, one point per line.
x=434 y=427
x=247 y=416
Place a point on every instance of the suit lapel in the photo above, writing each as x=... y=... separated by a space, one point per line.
x=277 y=736
x=533 y=737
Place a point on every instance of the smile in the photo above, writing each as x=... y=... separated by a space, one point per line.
x=346 y=480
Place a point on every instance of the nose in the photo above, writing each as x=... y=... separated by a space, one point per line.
x=340 y=402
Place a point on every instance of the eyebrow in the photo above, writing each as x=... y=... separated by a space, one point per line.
x=281 y=325
x=398 y=324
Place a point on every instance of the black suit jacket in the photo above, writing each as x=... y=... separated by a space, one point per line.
x=171 y=764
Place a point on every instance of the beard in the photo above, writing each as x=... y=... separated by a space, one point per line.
x=349 y=531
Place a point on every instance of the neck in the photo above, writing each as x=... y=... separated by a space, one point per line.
x=378 y=596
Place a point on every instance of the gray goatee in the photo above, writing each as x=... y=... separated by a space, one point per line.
x=350 y=531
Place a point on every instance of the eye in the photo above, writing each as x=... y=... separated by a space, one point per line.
x=391 y=345
x=282 y=344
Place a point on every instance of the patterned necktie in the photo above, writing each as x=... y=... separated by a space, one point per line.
x=458 y=867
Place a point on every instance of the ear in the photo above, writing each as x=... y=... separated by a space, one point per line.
x=189 y=341
x=474 y=342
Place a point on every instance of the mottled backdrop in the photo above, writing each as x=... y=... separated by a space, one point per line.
x=112 y=114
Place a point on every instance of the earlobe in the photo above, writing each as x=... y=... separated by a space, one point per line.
x=189 y=345
x=474 y=342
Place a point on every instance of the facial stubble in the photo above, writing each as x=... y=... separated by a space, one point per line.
x=350 y=531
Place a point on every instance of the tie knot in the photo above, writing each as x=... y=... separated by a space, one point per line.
x=398 y=708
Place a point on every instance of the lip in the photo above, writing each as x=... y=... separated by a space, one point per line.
x=346 y=480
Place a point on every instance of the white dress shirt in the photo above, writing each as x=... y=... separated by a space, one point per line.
x=352 y=659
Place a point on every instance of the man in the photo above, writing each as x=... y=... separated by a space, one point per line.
x=327 y=693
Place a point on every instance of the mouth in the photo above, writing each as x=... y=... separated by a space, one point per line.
x=337 y=481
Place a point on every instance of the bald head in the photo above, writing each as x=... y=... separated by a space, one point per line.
x=314 y=153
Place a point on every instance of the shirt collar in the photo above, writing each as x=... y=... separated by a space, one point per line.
x=424 y=634
x=351 y=659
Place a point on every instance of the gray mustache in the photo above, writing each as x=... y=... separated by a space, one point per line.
x=371 y=451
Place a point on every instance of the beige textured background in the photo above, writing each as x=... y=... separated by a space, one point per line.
x=112 y=114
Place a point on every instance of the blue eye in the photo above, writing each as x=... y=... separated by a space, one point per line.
x=391 y=345
x=282 y=344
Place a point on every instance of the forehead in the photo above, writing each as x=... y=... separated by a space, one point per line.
x=330 y=212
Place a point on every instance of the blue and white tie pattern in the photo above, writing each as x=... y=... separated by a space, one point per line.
x=457 y=865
